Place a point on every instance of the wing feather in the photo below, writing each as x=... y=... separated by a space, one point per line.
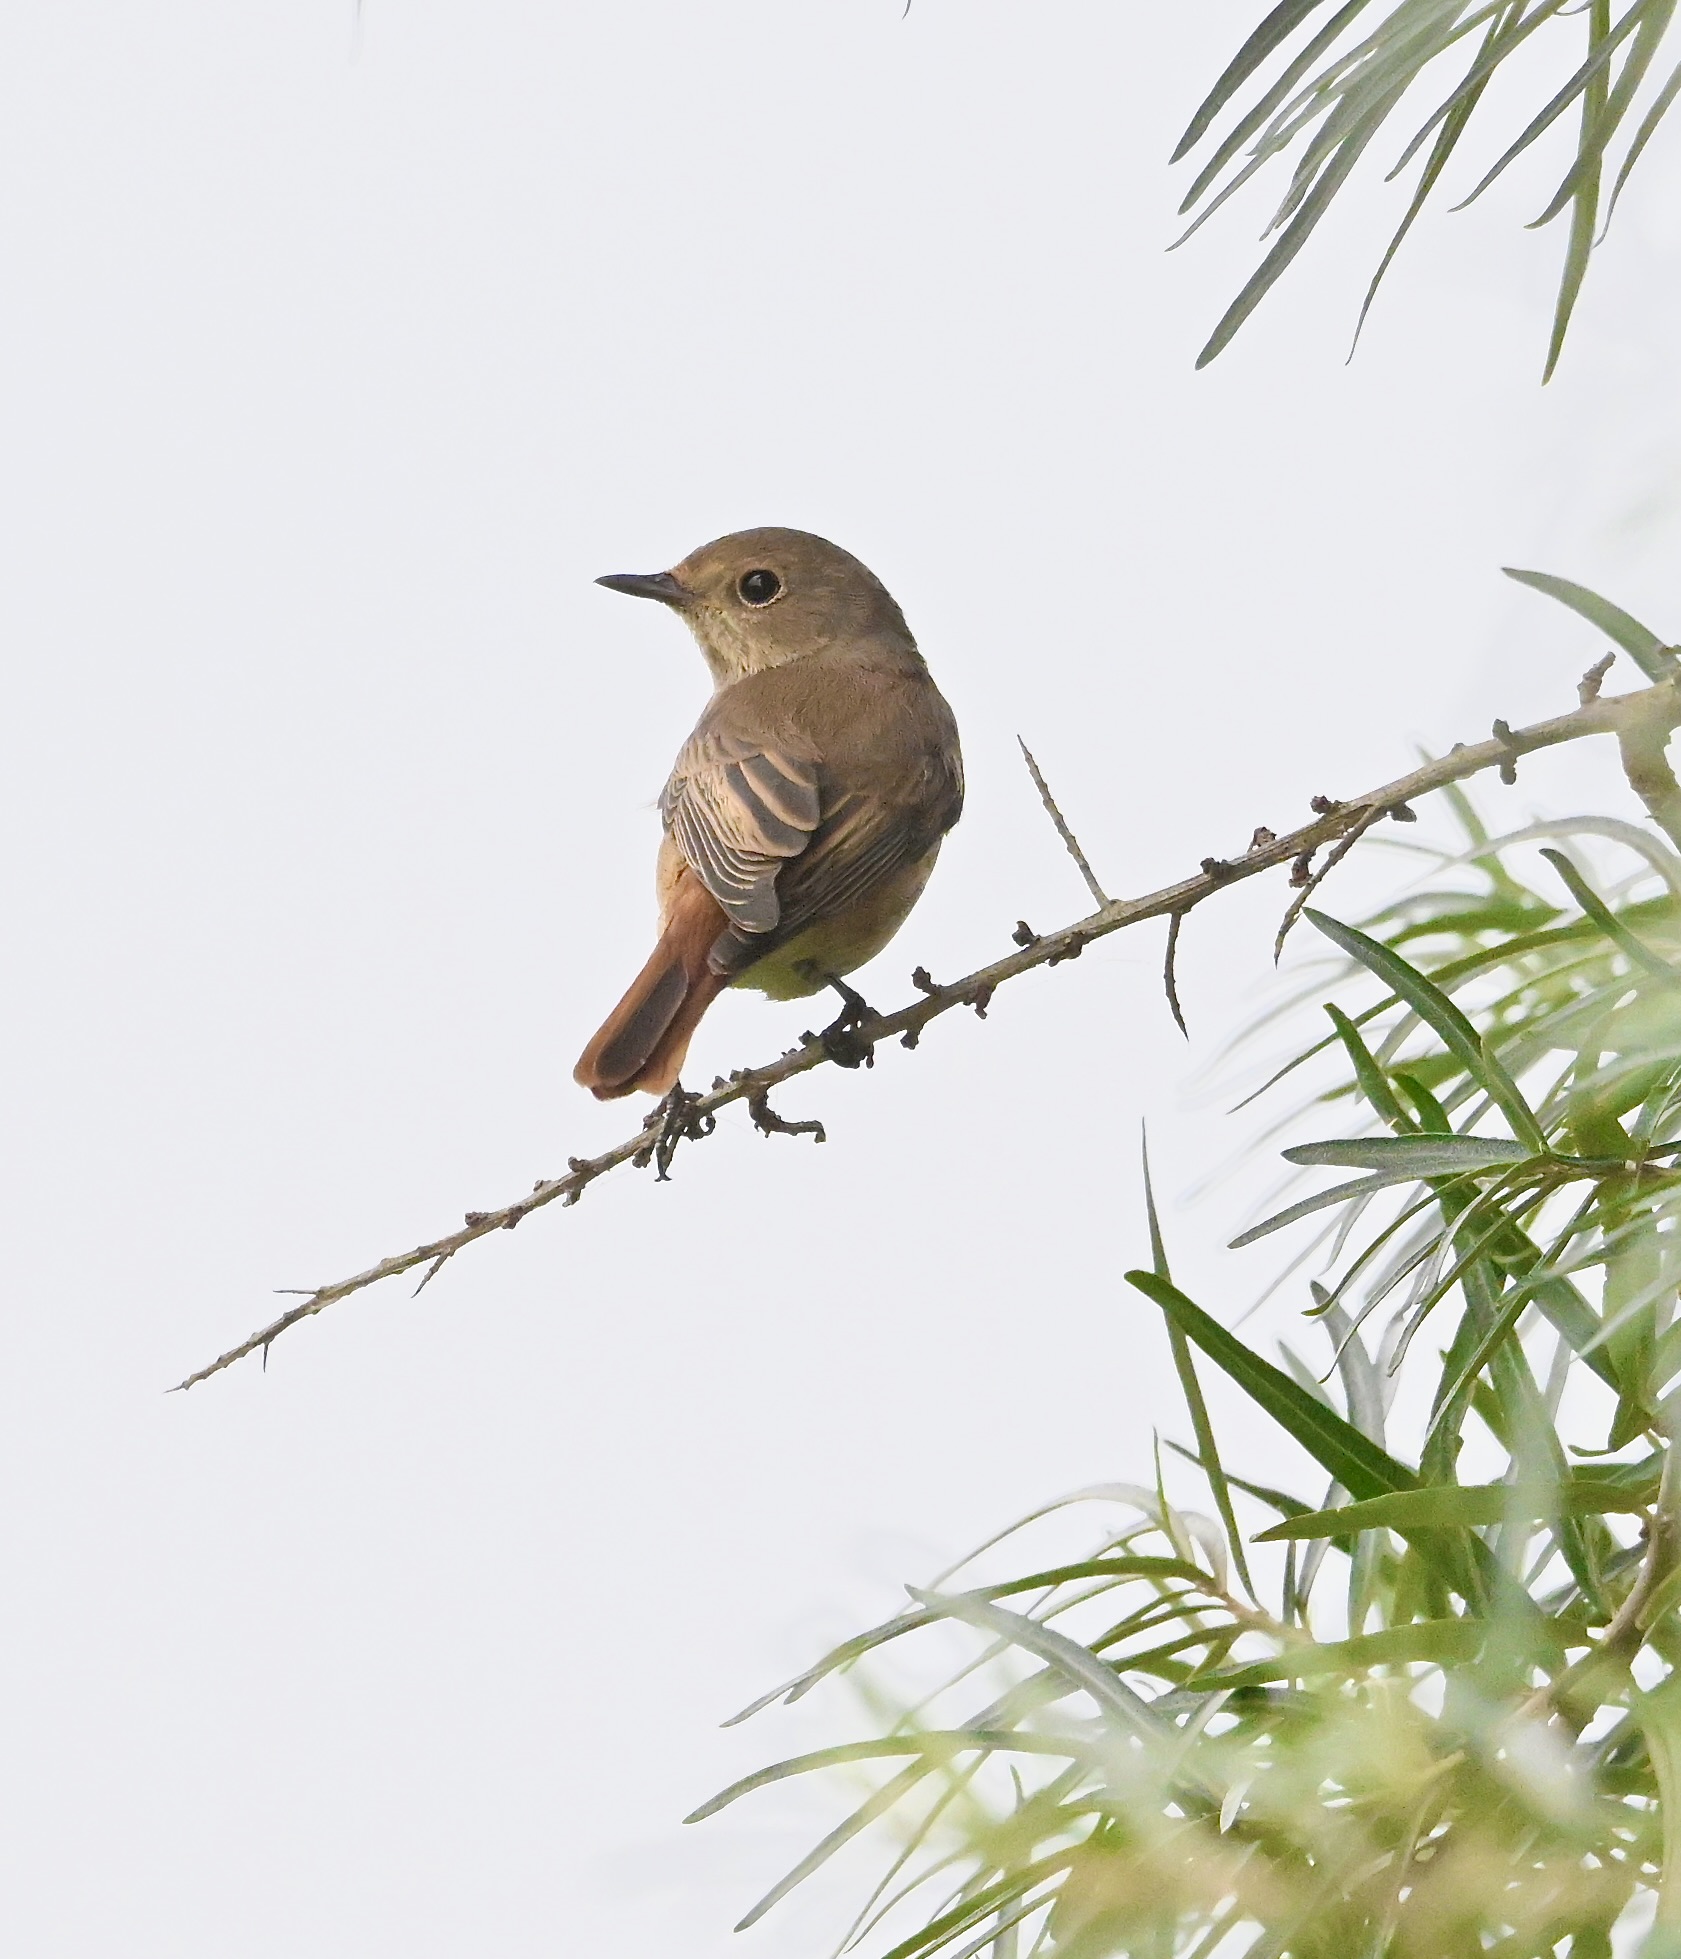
x=748 y=814
x=738 y=812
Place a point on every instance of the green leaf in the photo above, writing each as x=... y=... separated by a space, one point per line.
x=1659 y=1715
x=1449 y=1505
x=963 y=1916
x=1458 y=114
x=1434 y=1007
x=1337 y=1194
x=850 y=1650
x=867 y=1812
x=1074 y=1662
x=1364 y=1469
x=1352 y=1458
x=1580 y=84
x=1373 y=1082
x=937 y=1746
x=1191 y=1388
x=1643 y=646
x=1661 y=106
x=1296 y=234
x=1402 y=1159
x=1436 y=1640
x=1272 y=33
x=1652 y=18
x=1663 y=1601
x=1608 y=922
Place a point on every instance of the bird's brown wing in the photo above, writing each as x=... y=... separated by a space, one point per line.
x=739 y=808
x=864 y=841
x=779 y=844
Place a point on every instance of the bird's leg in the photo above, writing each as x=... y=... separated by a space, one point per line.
x=840 y=1041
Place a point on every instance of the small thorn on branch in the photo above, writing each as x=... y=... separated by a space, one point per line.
x=1217 y=867
x=981 y=998
x=1509 y=762
x=1402 y=813
x=430 y=1274
x=1587 y=688
x=1373 y=813
x=924 y=981
x=1062 y=829
x=1301 y=869
x=1170 y=978
x=1262 y=838
x=769 y=1123
x=1024 y=935
x=1323 y=805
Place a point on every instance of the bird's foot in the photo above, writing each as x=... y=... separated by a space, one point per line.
x=671 y=1121
x=840 y=1039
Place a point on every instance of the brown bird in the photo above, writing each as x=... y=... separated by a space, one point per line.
x=804 y=813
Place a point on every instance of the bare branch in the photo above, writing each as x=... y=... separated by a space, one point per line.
x=1643 y=740
x=1061 y=822
x=1641 y=721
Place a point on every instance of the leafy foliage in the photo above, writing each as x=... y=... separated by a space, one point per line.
x=1183 y=1743
x=1316 y=80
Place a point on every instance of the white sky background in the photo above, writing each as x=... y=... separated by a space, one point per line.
x=336 y=365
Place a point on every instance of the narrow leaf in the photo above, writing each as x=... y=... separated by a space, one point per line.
x=1608 y=922
x=1434 y=1007
x=938 y=1746
x=1357 y=1463
x=1293 y=238
x=1403 y=1158
x=1655 y=660
x=1191 y=1388
x=1438 y=1640
x=1073 y=1661
x=1338 y=1194
x=1450 y=1505
x=1272 y=33
x=1659 y=1715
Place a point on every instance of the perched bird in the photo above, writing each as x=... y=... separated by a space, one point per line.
x=804 y=813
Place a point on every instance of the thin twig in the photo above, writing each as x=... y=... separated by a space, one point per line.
x=1170 y=978
x=1641 y=721
x=1333 y=858
x=1061 y=822
x=1587 y=688
x=1626 y=1633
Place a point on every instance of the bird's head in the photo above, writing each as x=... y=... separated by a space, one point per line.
x=763 y=598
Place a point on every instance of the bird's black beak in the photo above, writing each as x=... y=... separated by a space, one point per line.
x=648 y=585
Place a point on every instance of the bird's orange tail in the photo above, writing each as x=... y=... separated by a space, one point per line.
x=645 y=1038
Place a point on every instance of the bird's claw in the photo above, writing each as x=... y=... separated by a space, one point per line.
x=840 y=1041
x=671 y=1121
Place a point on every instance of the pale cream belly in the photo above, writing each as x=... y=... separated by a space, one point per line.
x=838 y=946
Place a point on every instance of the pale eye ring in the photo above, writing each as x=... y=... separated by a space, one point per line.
x=759 y=587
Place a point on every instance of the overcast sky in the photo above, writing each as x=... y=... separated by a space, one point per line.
x=339 y=358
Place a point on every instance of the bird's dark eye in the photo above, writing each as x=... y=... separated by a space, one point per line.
x=759 y=587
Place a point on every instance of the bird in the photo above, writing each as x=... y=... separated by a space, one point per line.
x=804 y=813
